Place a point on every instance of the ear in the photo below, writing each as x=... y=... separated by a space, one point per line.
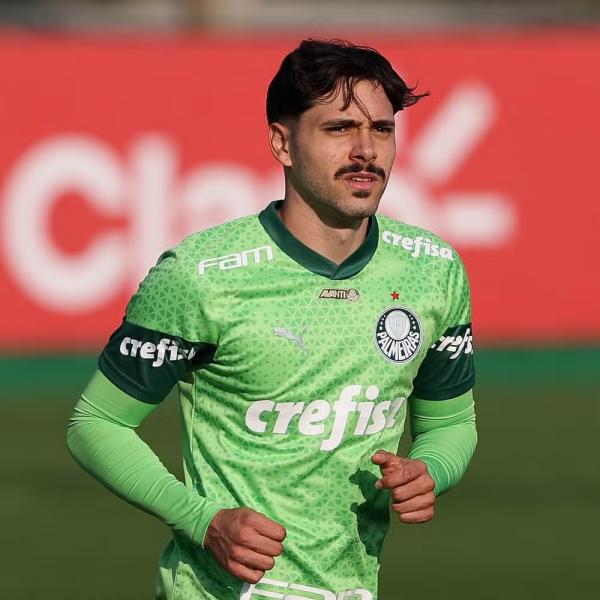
x=279 y=142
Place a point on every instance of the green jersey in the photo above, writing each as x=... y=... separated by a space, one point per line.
x=292 y=372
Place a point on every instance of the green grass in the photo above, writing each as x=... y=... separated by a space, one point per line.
x=523 y=524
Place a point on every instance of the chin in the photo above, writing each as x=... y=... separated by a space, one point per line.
x=359 y=212
x=366 y=205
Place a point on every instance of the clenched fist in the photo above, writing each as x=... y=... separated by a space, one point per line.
x=410 y=486
x=245 y=542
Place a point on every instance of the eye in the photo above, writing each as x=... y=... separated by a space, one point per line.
x=337 y=129
x=383 y=129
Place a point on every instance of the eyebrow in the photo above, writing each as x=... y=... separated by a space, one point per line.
x=354 y=123
x=384 y=123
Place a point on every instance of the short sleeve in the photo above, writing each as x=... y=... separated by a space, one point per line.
x=166 y=332
x=448 y=368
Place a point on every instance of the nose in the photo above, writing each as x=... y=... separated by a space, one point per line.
x=363 y=147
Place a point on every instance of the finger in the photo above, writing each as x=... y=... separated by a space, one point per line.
x=417 y=503
x=243 y=572
x=251 y=559
x=417 y=516
x=268 y=528
x=412 y=489
x=264 y=545
x=385 y=459
x=407 y=471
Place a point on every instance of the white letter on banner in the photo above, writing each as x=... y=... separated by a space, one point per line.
x=152 y=180
x=55 y=280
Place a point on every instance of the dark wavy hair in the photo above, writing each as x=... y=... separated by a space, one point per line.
x=318 y=69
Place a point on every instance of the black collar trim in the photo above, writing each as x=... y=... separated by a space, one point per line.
x=311 y=260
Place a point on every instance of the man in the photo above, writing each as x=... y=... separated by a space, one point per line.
x=297 y=338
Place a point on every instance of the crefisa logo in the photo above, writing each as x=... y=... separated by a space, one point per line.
x=398 y=334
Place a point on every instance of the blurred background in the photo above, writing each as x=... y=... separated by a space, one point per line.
x=125 y=125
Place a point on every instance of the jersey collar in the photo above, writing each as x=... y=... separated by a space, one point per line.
x=312 y=260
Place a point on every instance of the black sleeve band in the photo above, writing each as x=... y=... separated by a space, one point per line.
x=146 y=364
x=448 y=369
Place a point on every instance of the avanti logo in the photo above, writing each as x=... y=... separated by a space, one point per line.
x=309 y=418
x=237 y=259
x=350 y=294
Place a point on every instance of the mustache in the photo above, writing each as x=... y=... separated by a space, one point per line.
x=356 y=168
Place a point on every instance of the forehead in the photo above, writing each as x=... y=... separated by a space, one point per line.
x=372 y=100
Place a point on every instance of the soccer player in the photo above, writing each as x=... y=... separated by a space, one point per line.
x=299 y=339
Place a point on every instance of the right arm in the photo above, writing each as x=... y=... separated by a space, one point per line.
x=141 y=363
x=101 y=437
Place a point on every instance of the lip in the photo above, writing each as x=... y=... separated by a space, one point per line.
x=361 y=180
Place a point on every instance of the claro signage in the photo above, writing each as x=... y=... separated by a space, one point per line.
x=161 y=203
x=155 y=162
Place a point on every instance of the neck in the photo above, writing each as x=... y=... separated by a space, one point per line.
x=322 y=233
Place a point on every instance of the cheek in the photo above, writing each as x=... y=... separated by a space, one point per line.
x=324 y=162
x=333 y=158
x=386 y=158
x=320 y=157
x=390 y=150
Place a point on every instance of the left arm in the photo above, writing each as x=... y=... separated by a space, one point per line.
x=442 y=425
x=444 y=439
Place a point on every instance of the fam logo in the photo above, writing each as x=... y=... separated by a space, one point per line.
x=351 y=294
x=237 y=259
x=283 y=590
x=398 y=334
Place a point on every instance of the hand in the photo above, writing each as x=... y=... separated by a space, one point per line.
x=410 y=485
x=245 y=542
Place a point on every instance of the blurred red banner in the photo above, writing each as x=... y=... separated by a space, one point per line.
x=112 y=149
